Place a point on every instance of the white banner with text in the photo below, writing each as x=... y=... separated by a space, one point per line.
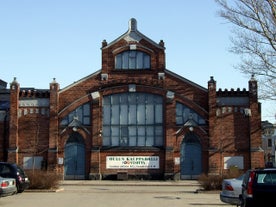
x=132 y=162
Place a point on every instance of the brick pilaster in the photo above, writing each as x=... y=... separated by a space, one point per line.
x=14 y=113
x=212 y=98
x=257 y=155
x=53 y=125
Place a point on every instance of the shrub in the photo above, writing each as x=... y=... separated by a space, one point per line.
x=40 y=179
x=214 y=182
x=211 y=182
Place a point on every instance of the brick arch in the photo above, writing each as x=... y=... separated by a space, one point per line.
x=138 y=48
x=65 y=136
x=66 y=110
x=199 y=131
x=139 y=88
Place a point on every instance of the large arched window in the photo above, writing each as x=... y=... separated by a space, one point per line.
x=132 y=59
x=133 y=119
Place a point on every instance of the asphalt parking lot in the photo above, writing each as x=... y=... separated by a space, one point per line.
x=116 y=193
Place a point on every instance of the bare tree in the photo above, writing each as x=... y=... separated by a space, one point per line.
x=254 y=33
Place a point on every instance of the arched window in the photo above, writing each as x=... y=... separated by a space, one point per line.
x=131 y=60
x=82 y=113
x=184 y=113
x=133 y=119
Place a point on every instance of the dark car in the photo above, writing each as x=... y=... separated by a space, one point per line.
x=12 y=170
x=259 y=188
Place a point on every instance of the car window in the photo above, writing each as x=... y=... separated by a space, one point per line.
x=260 y=177
x=270 y=178
x=266 y=178
x=4 y=169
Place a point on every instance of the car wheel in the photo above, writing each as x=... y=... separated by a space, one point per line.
x=244 y=203
x=19 y=190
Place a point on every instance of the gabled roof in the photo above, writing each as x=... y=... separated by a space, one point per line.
x=185 y=80
x=81 y=80
x=133 y=35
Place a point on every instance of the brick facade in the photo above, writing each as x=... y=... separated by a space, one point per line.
x=231 y=129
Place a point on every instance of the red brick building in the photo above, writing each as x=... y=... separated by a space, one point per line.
x=132 y=118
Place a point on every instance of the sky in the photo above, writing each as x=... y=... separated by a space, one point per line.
x=45 y=39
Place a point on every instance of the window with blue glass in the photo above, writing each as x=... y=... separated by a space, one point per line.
x=133 y=119
x=82 y=114
x=184 y=114
x=131 y=60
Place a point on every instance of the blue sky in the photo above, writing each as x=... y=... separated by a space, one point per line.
x=45 y=39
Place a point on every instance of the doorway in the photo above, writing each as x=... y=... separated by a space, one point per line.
x=74 y=158
x=190 y=160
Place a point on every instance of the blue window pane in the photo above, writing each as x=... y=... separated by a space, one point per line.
x=141 y=136
x=146 y=61
x=106 y=136
x=86 y=120
x=106 y=115
x=123 y=114
x=118 y=61
x=150 y=114
x=132 y=136
x=159 y=113
x=125 y=61
x=150 y=136
x=132 y=115
x=140 y=60
x=141 y=114
x=115 y=114
x=115 y=136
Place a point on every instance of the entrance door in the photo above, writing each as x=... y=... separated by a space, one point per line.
x=74 y=158
x=190 y=162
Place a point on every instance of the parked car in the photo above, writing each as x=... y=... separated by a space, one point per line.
x=259 y=188
x=7 y=186
x=12 y=170
x=231 y=190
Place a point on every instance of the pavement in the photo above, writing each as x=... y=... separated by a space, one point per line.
x=106 y=193
x=188 y=185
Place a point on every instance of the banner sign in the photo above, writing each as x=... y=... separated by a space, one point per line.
x=132 y=162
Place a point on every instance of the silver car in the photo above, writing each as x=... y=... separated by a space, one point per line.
x=7 y=186
x=231 y=190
